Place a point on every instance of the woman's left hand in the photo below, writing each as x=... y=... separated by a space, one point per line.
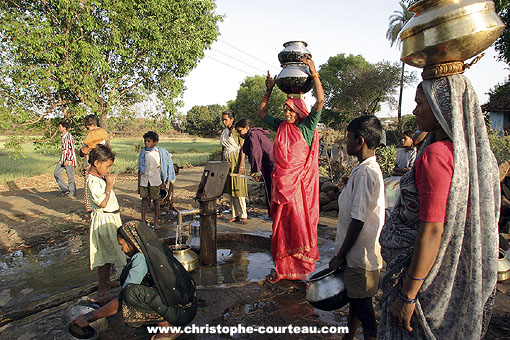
x=81 y=321
x=401 y=313
x=308 y=61
x=241 y=170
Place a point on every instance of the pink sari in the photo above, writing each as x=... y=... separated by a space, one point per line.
x=295 y=203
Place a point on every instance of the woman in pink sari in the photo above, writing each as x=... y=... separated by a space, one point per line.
x=295 y=192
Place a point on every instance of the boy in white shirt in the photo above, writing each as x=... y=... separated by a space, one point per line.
x=155 y=170
x=360 y=220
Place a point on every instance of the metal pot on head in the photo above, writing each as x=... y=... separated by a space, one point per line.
x=326 y=289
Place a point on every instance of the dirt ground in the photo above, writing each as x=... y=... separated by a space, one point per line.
x=31 y=213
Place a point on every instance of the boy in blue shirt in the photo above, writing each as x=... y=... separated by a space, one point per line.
x=155 y=170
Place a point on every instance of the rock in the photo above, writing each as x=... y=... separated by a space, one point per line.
x=503 y=170
x=327 y=186
x=333 y=195
x=333 y=205
x=323 y=198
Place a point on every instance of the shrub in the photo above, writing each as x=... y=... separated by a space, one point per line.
x=386 y=158
x=500 y=145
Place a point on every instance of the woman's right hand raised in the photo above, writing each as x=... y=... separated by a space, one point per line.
x=270 y=82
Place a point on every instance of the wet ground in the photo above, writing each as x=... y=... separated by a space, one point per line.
x=39 y=284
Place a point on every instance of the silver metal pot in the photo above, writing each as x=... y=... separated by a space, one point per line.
x=97 y=326
x=294 y=78
x=326 y=289
x=293 y=52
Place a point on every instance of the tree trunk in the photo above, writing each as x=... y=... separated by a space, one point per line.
x=399 y=112
x=103 y=118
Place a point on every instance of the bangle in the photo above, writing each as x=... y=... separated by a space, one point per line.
x=265 y=98
x=413 y=278
x=108 y=192
x=313 y=75
x=406 y=300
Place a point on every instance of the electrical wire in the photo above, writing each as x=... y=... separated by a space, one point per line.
x=249 y=55
x=238 y=60
x=235 y=68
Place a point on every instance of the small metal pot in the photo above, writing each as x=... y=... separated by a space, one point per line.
x=163 y=193
x=293 y=52
x=503 y=265
x=326 y=289
x=185 y=256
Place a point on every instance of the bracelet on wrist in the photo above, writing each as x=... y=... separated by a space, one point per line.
x=314 y=75
x=406 y=300
x=265 y=98
x=413 y=278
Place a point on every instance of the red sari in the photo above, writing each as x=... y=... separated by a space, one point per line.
x=295 y=203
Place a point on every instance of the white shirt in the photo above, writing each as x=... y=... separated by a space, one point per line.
x=405 y=159
x=362 y=199
x=152 y=175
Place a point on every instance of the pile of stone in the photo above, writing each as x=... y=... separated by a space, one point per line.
x=328 y=196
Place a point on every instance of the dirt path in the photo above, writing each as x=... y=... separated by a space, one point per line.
x=31 y=212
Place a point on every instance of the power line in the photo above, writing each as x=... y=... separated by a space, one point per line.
x=235 y=68
x=249 y=55
x=238 y=60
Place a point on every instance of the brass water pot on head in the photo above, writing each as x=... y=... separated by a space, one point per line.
x=444 y=31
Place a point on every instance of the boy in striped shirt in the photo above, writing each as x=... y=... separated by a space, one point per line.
x=67 y=161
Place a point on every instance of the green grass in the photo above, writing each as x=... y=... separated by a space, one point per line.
x=185 y=151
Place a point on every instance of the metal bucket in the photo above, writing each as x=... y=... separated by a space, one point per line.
x=163 y=193
x=503 y=265
x=326 y=289
x=88 y=333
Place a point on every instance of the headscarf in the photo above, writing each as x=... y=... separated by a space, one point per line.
x=172 y=281
x=299 y=106
x=466 y=264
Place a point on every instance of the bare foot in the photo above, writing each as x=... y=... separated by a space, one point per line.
x=234 y=219
x=244 y=221
x=156 y=226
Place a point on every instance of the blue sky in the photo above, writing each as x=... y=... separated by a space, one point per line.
x=253 y=32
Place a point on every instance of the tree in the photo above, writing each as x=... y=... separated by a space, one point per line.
x=353 y=87
x=397 y=21
x=502 y=45
x=205 y=120
x=249 y=96
x=69 y=58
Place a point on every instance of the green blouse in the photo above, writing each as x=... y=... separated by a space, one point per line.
x=307 y=126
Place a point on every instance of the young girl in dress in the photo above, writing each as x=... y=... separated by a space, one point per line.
x=105 y=219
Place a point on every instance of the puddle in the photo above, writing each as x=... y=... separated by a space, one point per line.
x=236 y=262
x=36 y=273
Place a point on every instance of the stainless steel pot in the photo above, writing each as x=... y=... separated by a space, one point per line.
x=96 y=327
x=185 y=256
x=293 y=52
x=294 y=78
x=326 y=289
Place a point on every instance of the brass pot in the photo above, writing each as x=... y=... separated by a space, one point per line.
x=448 y=30
x=503 y=265
x=185 y=256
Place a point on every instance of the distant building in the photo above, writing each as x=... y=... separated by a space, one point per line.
x=498 y=109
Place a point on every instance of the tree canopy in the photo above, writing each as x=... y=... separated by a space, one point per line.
x=502 y=45
x=249 y=96
x=69 y=58
x=353 y=87
x=205 y=120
